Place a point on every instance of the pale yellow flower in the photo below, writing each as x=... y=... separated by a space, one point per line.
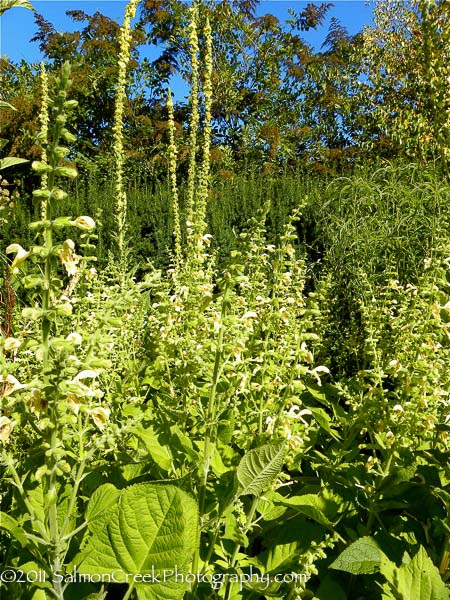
x=250 y=315
x=91 y=274
x=6 y=427
x=21 y=256
x=86 y=374
x=100 y=415
x=11 y=344
x=68 y=257
x=84 y=223
x=37 y=401
x=74 y=337
x=10 y=385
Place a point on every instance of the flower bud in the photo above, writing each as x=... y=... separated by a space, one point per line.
x=66 y=172
x=40 y=167
x=70 y=104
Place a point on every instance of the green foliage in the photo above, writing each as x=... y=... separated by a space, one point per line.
x=253 y=403
x=166 y=519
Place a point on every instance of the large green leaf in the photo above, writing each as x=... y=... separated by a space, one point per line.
x=259 y=467
x=151 y=531
x=11 y=161
x=362 y=557
x=418 y=579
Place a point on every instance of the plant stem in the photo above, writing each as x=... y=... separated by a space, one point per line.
x=129 y=592
x=211 y=426
x=376 y=495
x=238 y=546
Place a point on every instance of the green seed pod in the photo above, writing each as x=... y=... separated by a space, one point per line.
x=62 y=151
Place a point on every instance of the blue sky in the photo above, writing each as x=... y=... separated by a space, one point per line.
x=17 y=25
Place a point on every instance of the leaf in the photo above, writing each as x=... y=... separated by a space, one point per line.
x=100 y=503
x=152 y=530
x=259 y=467
x=233 y=531
x=181 y=442
x=36 y=499
x=419 y=579
x=225 y=428
x=11 y=161
x=38 y=576
x=159 y=454
x=10 y=525
x=3 y=143
x=310 y=505
x=362 y=557
x=39 y=595
x=324 y=421
x=279 y=557
x=4 y=104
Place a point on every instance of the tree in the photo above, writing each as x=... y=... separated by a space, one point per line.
x=406 y=65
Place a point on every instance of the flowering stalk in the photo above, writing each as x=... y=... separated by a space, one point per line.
x=43 y=122
x=46 y=394
x=193 y=121
x=203 y=180
x=173 y=184
x=125 y=39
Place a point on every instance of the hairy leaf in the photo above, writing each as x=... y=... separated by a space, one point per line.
x=259 y=468
x=418 y=579
x=362 y=557
x=151 y=531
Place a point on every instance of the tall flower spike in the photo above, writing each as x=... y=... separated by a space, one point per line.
x=193 y=121
x=43 y=122
x=125 y=39
x=200 y=217
x=173 y=185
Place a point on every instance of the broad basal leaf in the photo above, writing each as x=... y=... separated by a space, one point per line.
x=152 y=531
x=259 y=467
